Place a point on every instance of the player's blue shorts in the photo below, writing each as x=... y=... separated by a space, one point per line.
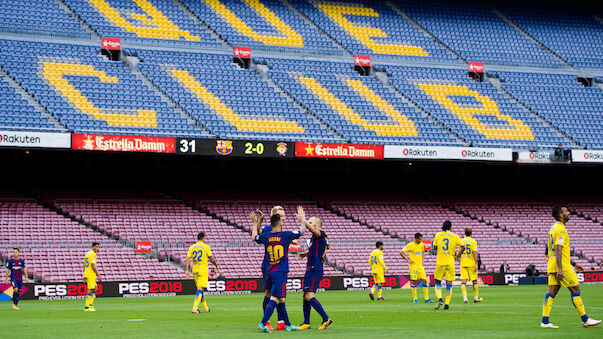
x=278 y=284
x=17 y=284
x=312 y=281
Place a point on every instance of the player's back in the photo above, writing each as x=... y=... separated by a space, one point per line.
x=89 y=259
x=375 y=259
x=199 y=252
x=558 y=236
x=467 y=257
x=316 y=252
x=446 y=243
x=277 y=247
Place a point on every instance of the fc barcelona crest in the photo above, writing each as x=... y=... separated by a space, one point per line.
x=224 y=147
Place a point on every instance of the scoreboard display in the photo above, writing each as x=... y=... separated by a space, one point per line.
x=235 y=148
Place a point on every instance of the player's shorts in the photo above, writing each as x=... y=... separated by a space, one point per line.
x=200 y=278
x=569 y=279
x=90 y=281
x=312 y=281
x=17 y=284
x=417 y=272
x=468 y=273
x=278 y=284
x=379 y=277
x=444 y=271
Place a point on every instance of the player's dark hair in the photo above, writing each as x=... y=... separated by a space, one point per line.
x=418 y=235
x=95 y=243
x=378 y=244
x=447 y=225
x=557 y=209
x=16 y=249
x=275 y=219
x=468 y=231
x=201 y=236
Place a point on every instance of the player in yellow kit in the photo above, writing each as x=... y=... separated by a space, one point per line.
x=199 y=254
x=469 y=266
x=377 y=267
x=445 y=244
x=560 y=270
x=90 y=275
x=416 y=250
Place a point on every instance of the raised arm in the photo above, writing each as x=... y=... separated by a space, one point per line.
x=255 y=229
x=301 y=216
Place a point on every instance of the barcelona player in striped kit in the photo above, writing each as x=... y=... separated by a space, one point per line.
x=15 y=268
x=314 y=269
x=276 y=245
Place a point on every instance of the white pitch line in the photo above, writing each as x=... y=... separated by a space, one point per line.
x=136 y=319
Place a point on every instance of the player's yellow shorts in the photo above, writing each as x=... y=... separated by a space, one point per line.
x=90 y=281
x=469 y=273
x=444 y=271
x=569 y=279
x=417 y=272
x=200 y=278
x=378 y=277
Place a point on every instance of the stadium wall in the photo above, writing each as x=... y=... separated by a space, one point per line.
x=146 y=288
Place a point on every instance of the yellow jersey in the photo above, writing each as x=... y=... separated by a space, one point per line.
x=415 y=252
x=376 y=261
x=199 y=253
x=558 y=236
x=89 y=259
x=446 y=243
x=467 y=258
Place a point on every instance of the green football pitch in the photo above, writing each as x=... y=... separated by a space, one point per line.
x=507 y=312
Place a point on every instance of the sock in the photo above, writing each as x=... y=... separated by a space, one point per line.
x=204 y=304
x=379 y=291
x=414 y=292
x=198 y=297
x=318 y=308
x=475 y=291
x=279 y=315
x=266 y=300
x=307 y=308
x=268 y=312
x=448 y=293
x=88 y=299
x=425 y=290
x=373 y=289
x=92 y=298
x=16 y=296
x=438 y=290
x=579 y=305
x=464 y=289
x=283 y=313
x=547 y=305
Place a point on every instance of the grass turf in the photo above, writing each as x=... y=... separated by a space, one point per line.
x=509 y=312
